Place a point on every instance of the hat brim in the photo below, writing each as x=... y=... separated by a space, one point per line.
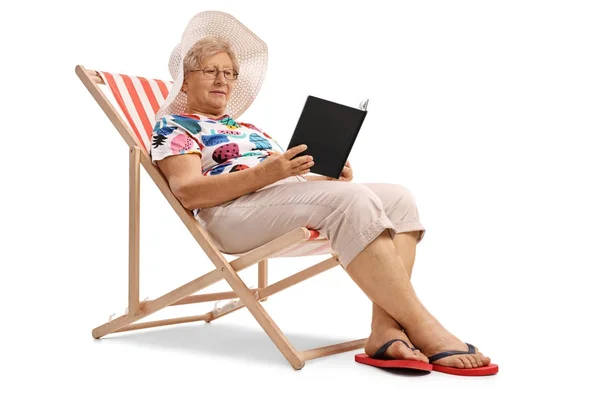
x=251 y=53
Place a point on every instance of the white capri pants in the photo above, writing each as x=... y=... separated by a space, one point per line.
x=350 y=215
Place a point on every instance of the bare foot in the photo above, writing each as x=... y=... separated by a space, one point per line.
x=432 y=338
x=397 y=350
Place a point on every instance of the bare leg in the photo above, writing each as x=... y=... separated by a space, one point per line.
x=377 y=272
x=405 y=245
x=383 y=326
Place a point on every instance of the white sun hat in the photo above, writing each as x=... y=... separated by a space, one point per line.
x=250 y=51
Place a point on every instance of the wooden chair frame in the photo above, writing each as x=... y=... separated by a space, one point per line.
x=249 y=298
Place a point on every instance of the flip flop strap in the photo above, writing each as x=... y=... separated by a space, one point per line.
x=438 y=356
x=379 y=354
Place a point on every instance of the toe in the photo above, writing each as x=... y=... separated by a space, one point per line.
x=420 y=356
x=399 y=351
x=484 y=360
x=466 y=361
x=472 y=360
x=477 y=357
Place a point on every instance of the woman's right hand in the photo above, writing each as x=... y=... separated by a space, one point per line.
x=279 y=166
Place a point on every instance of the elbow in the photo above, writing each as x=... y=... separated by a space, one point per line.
x=186 y=203
x=181 y=192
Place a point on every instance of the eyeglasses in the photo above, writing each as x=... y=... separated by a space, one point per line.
x=212 y=72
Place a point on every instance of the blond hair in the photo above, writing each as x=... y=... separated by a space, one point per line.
x=204 y=48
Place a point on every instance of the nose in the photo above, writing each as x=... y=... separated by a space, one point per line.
x=220 y=77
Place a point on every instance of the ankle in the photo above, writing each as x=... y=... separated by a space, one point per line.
x=384 y=325
x=426 y=333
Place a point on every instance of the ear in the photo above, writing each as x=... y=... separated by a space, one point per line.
x=184 y=86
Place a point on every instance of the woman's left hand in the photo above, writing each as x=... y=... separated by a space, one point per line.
x=347 y=174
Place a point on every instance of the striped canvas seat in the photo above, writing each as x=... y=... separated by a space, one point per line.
x=139 y=100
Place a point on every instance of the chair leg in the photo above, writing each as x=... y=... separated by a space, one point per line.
x=134 y=231
x=262 y=317
x=263 y=275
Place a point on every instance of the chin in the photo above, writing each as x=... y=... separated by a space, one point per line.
x=221 y=108
x=218 y=105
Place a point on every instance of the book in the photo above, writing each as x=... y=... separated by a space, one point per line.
x=329 y=129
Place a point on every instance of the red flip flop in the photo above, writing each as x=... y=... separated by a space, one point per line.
x=491 y=369
x=379 y=360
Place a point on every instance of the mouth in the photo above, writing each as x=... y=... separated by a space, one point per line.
x=220 y=92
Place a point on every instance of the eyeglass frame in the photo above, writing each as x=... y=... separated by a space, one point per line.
x=236 y=73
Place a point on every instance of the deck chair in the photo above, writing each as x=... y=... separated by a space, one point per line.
x=138 y=100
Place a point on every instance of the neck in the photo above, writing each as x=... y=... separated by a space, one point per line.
x=210 y=113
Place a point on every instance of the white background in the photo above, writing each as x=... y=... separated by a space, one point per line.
x=489 y=116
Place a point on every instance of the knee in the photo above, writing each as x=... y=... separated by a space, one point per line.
x=351 y=198
x=402 y=192
x=405 y=204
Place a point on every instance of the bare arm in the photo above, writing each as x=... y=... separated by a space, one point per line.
x=184 y=173
x=194 y=190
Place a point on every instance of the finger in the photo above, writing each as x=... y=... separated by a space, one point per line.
x=346 y=172
x=302 y=161
x=347 y=164
x=304 y=166
x=295 y=151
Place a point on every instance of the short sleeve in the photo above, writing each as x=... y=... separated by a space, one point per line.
x=172 y=136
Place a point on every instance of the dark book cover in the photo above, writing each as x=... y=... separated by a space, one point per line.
x=329 y=130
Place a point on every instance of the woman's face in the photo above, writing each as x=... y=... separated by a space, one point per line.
x=209 y=96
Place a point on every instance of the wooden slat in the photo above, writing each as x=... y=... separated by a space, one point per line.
x=333 y=349
x=94 y=76
x=263 y=268
x=202 y=298
x=153 y=306
x=202 y=282
x=134 y=230
x=282 y=242
x=298 y=277
x=263 y=274
x=262 y=317
x=284 y=284
x=163 y=322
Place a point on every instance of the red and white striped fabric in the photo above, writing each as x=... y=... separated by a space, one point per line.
x=140 y=98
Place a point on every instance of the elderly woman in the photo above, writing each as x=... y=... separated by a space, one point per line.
x=236 y=177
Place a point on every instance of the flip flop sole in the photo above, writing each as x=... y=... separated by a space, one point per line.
x=405 y=364
x=491 y=369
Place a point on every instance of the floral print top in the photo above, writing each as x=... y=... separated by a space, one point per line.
x=225 y=145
